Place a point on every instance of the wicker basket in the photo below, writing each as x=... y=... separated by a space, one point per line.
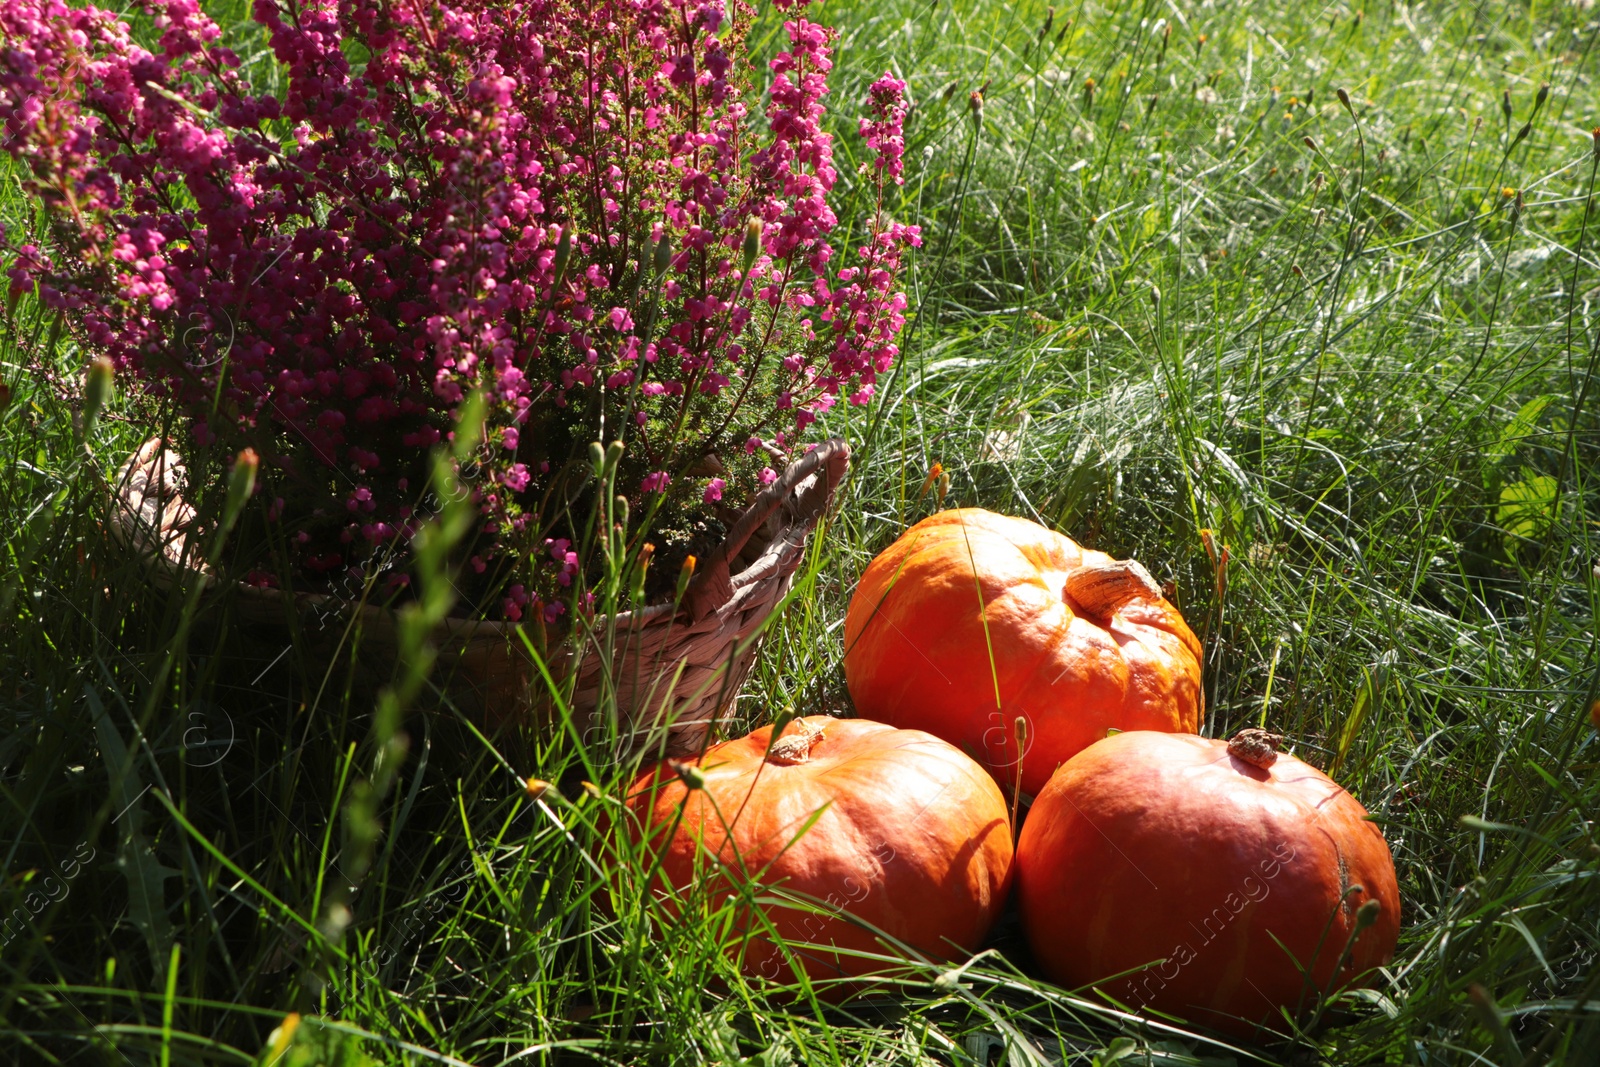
x=667 y=673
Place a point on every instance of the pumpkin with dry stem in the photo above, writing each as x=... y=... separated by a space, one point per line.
x=972 y=621
x=881 y=838
x=1223 y=883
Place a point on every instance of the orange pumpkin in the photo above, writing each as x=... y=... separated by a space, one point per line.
x=1232 y=869
x=910 y=837
x=972 y=620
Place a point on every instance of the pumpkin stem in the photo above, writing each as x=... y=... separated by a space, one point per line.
x=1100 y=589
x=795 y=748
x=1257 y=747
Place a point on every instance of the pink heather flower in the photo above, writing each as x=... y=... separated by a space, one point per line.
x=455 y=216
x=714 y=489
x=768 y=476
x=515 y=600
x=709 y=17
x=884 y=130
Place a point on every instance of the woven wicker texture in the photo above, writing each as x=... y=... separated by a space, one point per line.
x=657 y=678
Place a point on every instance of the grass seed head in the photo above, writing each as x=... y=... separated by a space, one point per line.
x=693 y=777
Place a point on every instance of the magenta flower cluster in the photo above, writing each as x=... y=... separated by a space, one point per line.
x=572 y=207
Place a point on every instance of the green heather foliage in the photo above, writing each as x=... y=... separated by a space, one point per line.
x=1147 y=313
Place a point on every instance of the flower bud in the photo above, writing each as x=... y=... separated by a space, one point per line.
x=241 y=483
x=641 y=573
x=752 y=244
x=96 y=391
x=537 y=788
x=563 y=253
x=1505 y=104
x=685 y=573
x=1368 y=914
x=1544 y=94
x=1344 y=98
x=597 y=458
x=663 y=256
x=613 y=455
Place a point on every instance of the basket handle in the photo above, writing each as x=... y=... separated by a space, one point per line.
x=713 y=583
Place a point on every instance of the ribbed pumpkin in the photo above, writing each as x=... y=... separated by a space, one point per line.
x=1213 y=858
x=909 y=836
x=971 y=620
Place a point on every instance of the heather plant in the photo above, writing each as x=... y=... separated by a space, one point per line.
x=587 y=213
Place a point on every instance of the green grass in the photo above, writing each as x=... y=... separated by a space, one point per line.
x=1362 y=376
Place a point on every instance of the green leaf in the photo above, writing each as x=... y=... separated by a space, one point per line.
x=1522 y=424
x=1119 y=1050
x=1527 y=508
x=1368 y=697
x=1150 y=221
x=308 y=1042
x=136 y=861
